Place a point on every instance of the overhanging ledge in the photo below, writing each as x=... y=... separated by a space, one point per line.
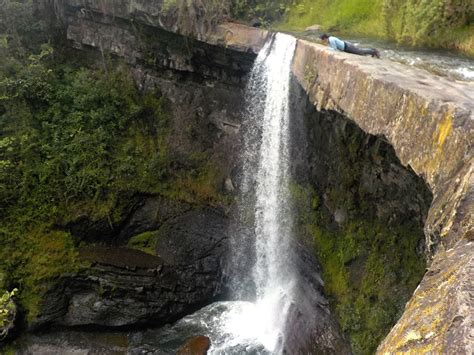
x=430 y=123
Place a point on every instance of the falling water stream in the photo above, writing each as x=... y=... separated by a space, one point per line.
x=256 y=322
x=265 y=193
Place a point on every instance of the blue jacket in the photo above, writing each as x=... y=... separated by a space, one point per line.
x=336 y=43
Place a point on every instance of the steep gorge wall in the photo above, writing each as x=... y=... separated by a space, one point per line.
x=201 y=87
x=430 y=123
x=362 y=214
x=431 y=131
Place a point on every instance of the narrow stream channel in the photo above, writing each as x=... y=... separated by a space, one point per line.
x=439 y=62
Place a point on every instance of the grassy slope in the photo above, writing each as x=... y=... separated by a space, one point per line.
x=436 y=23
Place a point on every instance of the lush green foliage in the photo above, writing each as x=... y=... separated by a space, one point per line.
x=370 y=272
x=59 y=135
x=370 y=269
x=442 y=23
x=72 y=139
x=75 y=141
x=7 y=312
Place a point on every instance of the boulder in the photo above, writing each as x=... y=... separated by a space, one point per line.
x=198 y=236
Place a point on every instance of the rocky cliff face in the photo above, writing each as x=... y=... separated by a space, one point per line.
x=128 y=287
x=202 y=84
x=362 y=213
x=183 y=244
x=430 y=130
x=429 y=122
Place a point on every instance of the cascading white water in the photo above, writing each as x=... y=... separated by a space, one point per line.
x=265 y=193
x=255 y=323
x=272 y=215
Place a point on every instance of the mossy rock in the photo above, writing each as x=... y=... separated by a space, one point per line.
x=145 y=242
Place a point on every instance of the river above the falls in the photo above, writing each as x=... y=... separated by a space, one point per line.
x=436 y=61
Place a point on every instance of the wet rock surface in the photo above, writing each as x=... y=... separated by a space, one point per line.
x=310 y=326
x=72 y=342
x=198 y=345
x=194 y=238
x=124 y=287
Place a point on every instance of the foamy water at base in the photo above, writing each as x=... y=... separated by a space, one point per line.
x=234 y=327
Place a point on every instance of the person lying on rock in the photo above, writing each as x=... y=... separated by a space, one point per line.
x=344 y=46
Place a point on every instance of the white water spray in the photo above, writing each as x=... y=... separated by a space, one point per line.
x=265 y=193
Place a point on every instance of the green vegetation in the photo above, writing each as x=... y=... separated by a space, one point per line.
x=436 y=23
x=370 y=265
x=145 y=242
x=370 y=269
x=32 y=258
x=370 y=272
x=7 y=312
x=75 y=140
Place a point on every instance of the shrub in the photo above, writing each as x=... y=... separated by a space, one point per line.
x=7 y=312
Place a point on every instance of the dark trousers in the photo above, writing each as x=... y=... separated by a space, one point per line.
x=350 y=48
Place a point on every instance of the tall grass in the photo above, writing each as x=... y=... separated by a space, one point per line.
x=436 y=23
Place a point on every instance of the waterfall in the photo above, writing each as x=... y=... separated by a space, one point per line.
x=272 y=212
x=261 y=265
x=265 y=203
